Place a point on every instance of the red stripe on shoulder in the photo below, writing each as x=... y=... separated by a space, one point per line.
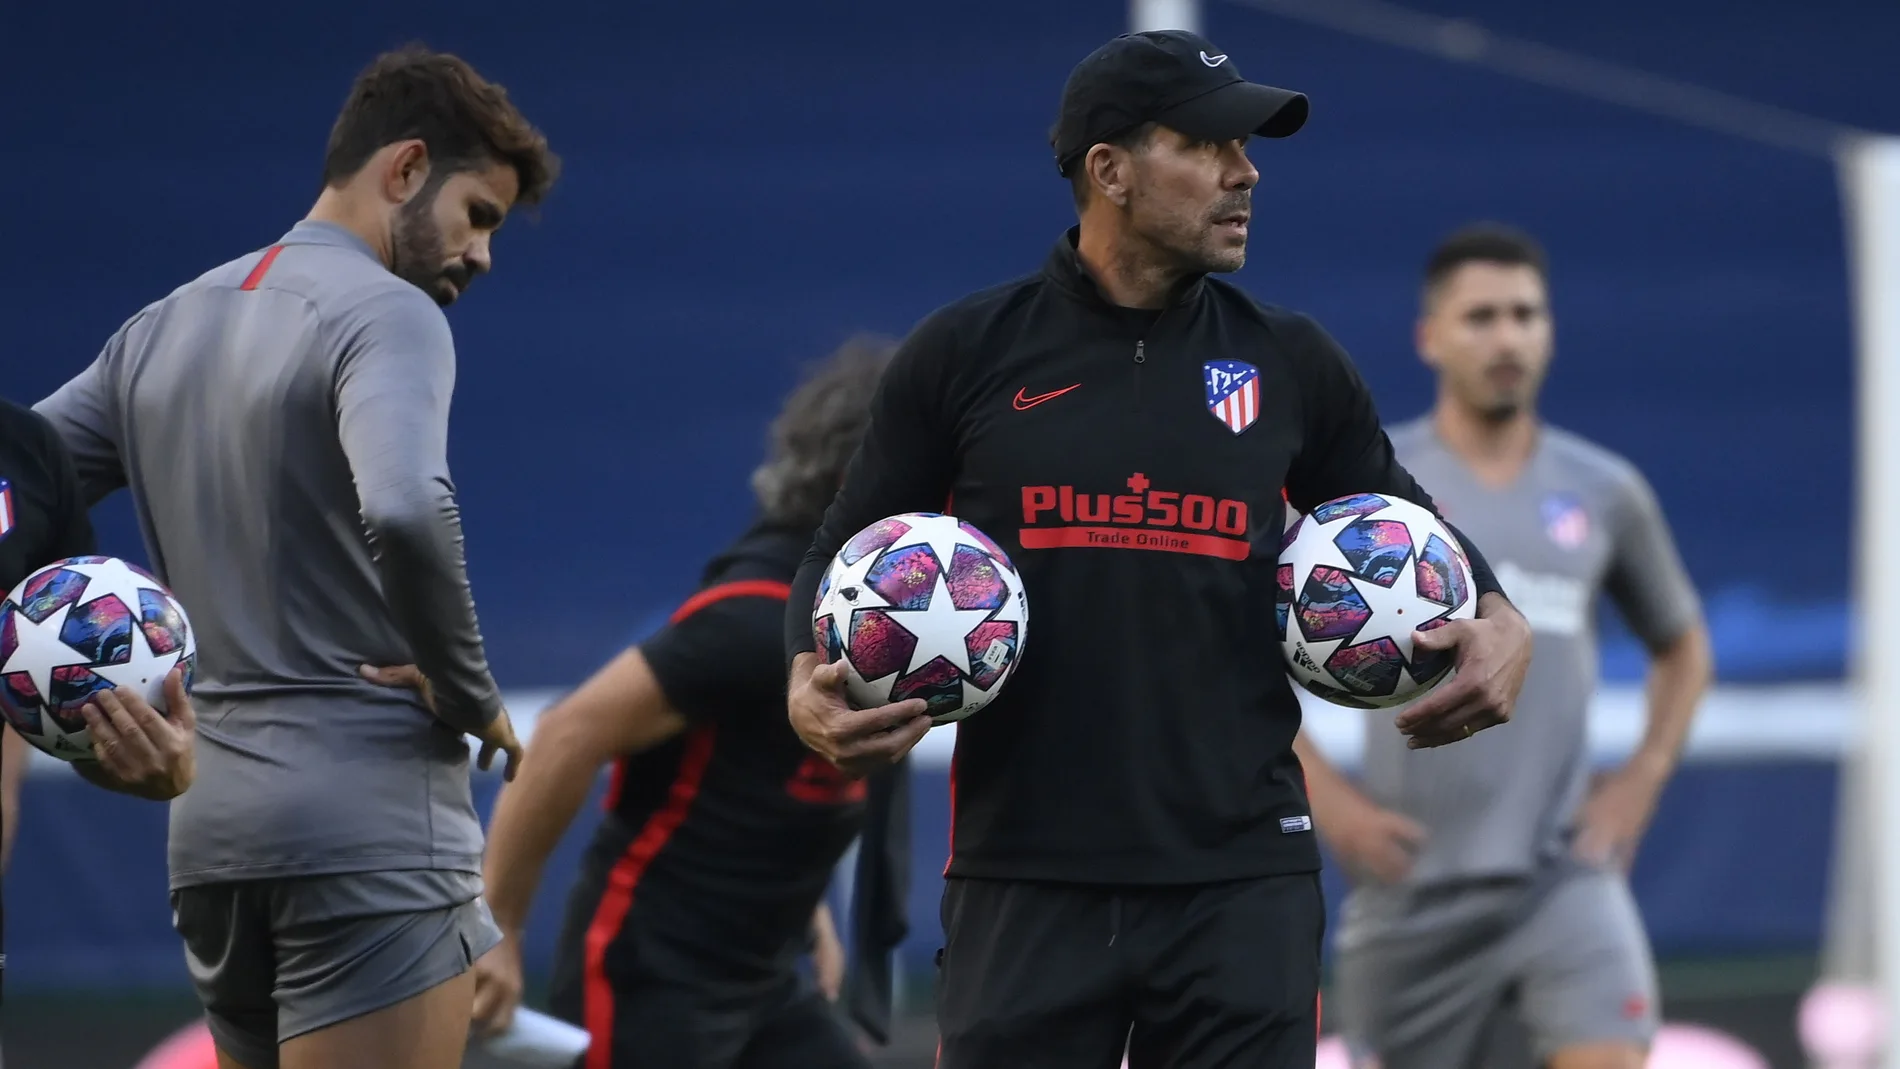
x=743 y=588
x=263 y=268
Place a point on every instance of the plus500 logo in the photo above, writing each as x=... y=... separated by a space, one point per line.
x=1141 y=507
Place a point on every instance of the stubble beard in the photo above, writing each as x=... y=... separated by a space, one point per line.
x=419 y=253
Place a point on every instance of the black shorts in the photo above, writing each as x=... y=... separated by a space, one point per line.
x=1072 y=977
x=667 y=1024
x=649 y=1003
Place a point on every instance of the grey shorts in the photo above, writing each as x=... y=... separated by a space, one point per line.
x=275 y=959
x=1444 y=978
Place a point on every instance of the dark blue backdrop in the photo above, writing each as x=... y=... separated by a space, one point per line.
x=748 y=182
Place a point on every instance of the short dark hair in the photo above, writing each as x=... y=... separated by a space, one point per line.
x=818 y=430
x=1489 y=243
x=1134 y=138
x=466 y=121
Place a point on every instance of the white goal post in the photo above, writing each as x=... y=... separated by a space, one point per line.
x=1164 y=15
x=1870 y=188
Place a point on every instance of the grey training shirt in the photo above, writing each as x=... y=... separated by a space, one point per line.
x=1578 y=523
x=282 y=424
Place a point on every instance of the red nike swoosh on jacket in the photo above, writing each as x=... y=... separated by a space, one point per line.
x=1022 y=402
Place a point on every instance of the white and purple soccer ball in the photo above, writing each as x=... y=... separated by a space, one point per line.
x=80 y=626
x=922 y=605
x=1358 y=578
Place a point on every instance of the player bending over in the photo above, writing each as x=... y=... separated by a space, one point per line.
x=1487 y=880
x=722 y=829
x=282 y=424
x=1131 y=857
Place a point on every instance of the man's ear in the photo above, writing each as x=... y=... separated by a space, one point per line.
x=1422 y=341
x=405 y=170
x=1109 y=172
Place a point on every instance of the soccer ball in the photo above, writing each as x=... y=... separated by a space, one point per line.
x=1357 y=578
x=79 y=626
x=922 y=606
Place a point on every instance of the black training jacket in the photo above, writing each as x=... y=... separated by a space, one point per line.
x=1135 y=478
x=42 y=511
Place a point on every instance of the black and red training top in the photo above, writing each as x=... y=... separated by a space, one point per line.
x=1132 y=464
x=724 y=838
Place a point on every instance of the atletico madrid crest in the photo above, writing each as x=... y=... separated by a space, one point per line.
x=1233 y=392
x=6 y=508
x=1565 y=521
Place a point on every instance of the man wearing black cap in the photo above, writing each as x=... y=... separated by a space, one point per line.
x=1133 y=865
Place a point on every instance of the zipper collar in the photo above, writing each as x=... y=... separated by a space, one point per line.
x=1064 y=267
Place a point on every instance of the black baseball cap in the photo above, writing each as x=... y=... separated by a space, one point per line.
x=1172 y=77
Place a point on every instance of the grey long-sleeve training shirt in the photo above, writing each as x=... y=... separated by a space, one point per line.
x=282 y=423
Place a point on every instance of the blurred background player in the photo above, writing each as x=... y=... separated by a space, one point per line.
x=722 y=829
x=1485 y=879
x=282 y=424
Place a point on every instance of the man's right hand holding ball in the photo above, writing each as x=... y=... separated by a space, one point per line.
x=858 y=741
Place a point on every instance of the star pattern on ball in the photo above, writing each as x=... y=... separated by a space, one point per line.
x=1365 y=574
x=114 y=578
x=1395 y=609
x=941 y=617
x=943 y=540
x=39 y=651
x=903 y=632
x=141 y=672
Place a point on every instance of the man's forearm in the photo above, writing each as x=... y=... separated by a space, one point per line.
x=531 y=815
x=1678 y=677
x=1493 y=603
x=393 y=386
x=419 y=553
x=803 y=664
